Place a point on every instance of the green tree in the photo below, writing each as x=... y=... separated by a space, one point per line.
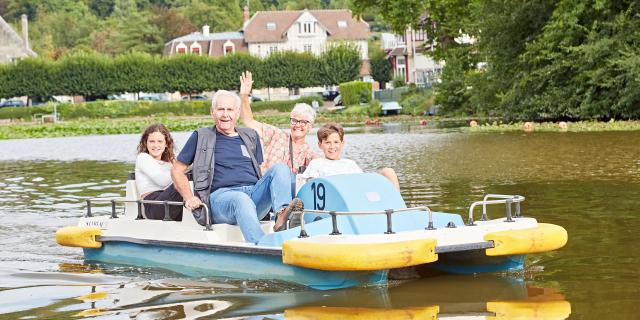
x=222 y=16
x=340 y=63
x=65 y=29
x=102 y=8
x=136 y=33
x=380 y=65
x=290 y=69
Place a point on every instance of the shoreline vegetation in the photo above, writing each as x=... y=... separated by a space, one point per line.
x=135 y=125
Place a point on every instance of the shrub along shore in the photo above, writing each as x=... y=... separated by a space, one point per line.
x=131 y=117
x=136 y=125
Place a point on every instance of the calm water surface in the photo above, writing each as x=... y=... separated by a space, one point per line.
x=587 y=182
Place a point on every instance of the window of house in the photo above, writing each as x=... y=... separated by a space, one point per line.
x=420 y=35
x=400 y=61
x=400 y=39
x=307 y=48
x=308 y=27
x=273 y=49
x=182 y=50
x=195 y=50
x=401 y=72
x=228 y=50
x=271 y=26
x=342 y=24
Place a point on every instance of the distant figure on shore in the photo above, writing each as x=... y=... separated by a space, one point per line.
x=153 y=172
x=528 y=126
x=473 y=123
x=563 y=126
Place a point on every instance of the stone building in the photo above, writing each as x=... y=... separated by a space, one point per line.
x=12 y=46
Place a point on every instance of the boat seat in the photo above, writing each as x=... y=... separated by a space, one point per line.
x=131 y=208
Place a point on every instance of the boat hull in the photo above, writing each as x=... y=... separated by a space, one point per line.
x=199 y=262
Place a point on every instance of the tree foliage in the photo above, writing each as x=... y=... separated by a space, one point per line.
x=340 y=63
x=540 y=59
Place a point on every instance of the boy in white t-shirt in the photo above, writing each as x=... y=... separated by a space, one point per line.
x=331 y=142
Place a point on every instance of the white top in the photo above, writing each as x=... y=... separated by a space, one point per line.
x=151 y=174
x=324 y=167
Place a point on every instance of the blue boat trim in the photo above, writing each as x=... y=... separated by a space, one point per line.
x=464 y=247
x=192 y=245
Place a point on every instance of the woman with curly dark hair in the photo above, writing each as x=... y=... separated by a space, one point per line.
x=155 y=159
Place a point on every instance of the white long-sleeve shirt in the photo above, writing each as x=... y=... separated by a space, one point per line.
x=325 y=167
x=151 y=174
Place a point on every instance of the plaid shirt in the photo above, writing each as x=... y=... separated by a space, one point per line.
x=275 y=142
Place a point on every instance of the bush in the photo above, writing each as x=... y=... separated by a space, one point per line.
x=375 y=108
x=355 y=92
x=282 y=105
x=398 y=82
x=416 y=102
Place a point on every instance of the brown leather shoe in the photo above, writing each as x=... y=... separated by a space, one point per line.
x=282 y=216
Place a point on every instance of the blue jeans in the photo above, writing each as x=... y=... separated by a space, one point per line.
x=246 y=205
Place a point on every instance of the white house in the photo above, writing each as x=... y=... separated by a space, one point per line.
x=407 y=54
x=271 y=31
x=12 y=46
x=304 y=31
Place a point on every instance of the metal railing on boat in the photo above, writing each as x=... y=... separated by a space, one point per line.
x=387 y=212
x=507 y=199
x=141 y=203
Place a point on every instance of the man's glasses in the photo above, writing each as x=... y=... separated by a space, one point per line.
x=300 y=122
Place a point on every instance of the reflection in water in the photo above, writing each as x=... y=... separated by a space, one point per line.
x=442 y=297
x=586 y=182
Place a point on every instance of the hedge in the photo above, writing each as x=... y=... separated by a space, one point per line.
x=356 y=92
x=91 y=74
x=124 y=109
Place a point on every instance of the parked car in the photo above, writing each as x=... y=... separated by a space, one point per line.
x=12 y=103
x=255 y=98
x=329 y=95
x=195 y=97
x=337 y=100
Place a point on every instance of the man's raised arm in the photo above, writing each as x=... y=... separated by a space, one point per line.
x=246 y=115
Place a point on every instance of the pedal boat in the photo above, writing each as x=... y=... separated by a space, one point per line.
x=355 y=228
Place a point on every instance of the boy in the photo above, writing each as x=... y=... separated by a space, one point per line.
x=331 y=142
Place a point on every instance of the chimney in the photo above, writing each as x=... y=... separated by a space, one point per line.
x=205 y=30
x=245 y=14
x=25 y=30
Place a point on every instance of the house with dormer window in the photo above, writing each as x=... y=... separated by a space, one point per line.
x=312 y=31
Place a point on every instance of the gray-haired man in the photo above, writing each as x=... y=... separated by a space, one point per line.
x=226 y=173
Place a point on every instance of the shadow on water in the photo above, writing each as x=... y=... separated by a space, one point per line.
x=114 y=297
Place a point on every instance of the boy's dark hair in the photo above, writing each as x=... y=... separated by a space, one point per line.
x=325 y=131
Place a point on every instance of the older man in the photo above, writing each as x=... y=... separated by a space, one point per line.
x=227 y=175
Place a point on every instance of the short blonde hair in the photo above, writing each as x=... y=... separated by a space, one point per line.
x=305 y=110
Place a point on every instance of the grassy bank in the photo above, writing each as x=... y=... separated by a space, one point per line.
x=579 y=126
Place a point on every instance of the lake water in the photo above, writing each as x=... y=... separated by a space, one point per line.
x=587 y=182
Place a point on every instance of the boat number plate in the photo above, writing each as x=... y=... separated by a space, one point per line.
x=319 y=199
